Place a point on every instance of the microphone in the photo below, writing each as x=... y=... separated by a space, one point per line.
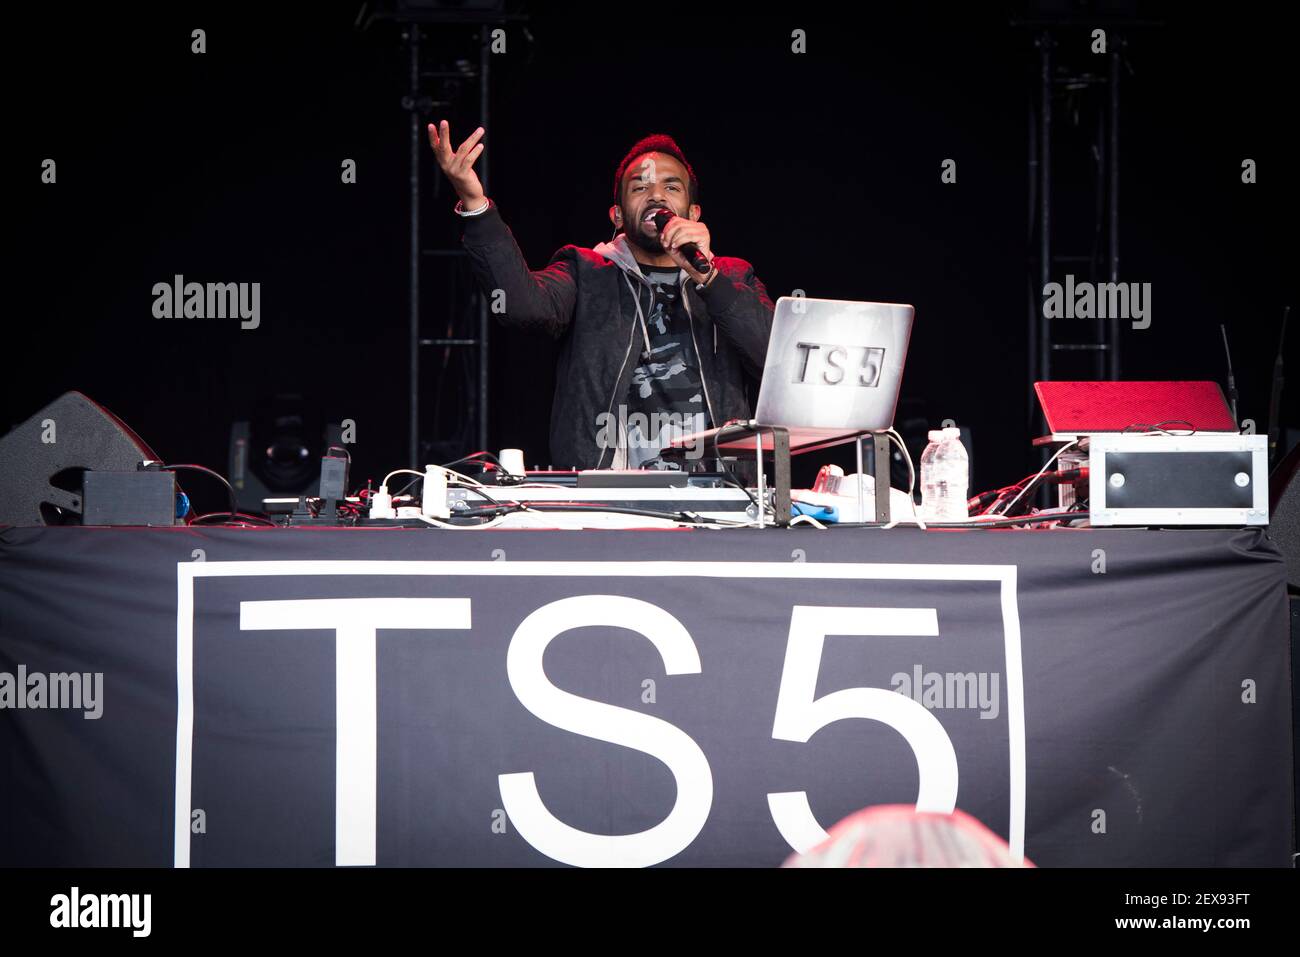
x=1232 y=385
x=1275 y=394
x=700 y=262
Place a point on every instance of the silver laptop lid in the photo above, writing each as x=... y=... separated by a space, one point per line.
x=834 y=364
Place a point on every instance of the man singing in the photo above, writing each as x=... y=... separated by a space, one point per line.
x=650 y=346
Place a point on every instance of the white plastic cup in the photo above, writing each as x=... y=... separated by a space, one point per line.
x=512 y=461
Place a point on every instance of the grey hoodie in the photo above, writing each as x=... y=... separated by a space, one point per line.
x=587 y=300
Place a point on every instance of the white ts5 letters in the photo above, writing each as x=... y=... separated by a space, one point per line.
x=354 y=622
x=605 y=722
x=800 y=714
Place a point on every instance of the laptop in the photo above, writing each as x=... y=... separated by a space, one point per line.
x=1075 y=409
x=833 y=371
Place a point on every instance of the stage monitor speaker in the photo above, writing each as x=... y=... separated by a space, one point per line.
x=1284 y=514
x=42 y=460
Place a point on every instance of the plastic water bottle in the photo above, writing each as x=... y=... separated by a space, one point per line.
x=944 y=468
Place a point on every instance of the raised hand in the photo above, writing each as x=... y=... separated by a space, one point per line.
x=458 y=165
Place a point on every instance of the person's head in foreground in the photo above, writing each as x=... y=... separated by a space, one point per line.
x=897 y=835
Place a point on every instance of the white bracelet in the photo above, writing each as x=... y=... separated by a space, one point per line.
x=460 y=207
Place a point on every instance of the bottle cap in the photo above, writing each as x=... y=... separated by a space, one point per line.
x=937 y=435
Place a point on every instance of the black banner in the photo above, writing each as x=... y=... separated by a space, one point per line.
x=224 y=697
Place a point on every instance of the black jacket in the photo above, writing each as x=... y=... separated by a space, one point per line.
x=583 y=300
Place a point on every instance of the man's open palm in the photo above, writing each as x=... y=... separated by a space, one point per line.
x=458 y=165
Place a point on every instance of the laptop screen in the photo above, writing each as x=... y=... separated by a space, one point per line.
x=1080 y=408
x=834 y=364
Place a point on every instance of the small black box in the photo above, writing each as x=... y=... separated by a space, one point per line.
x=333 y=478
x=128 y=498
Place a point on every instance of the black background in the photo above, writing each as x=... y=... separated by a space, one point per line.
x=822 y=169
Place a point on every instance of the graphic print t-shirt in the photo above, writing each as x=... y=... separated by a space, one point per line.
x=669 y=382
